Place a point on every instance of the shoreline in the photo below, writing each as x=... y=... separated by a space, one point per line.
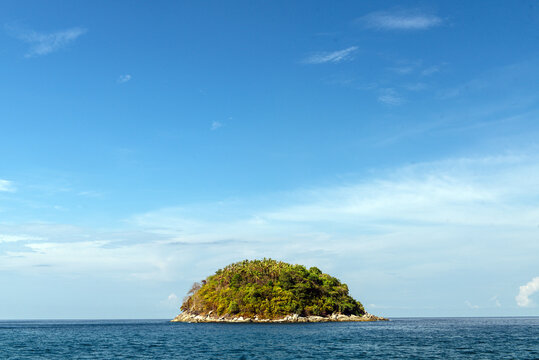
x=294 y=318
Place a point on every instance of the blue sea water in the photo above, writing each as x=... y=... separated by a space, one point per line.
x=428 y=338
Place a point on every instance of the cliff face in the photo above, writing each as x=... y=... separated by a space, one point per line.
x=269 y=290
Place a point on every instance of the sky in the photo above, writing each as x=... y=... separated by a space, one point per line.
x=392 y=144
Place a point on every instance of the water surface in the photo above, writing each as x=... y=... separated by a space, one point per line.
x=432 y=338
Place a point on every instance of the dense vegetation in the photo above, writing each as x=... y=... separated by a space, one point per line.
x=270 y=289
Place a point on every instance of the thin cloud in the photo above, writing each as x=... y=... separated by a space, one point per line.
x=331 y=57
x=495 y=300
x=45 y=43
x=5 y=238
x=416 y=67
x=6 y=186
x=430 y=70
x=416 y=86
x=399 y=20
x=124 y=78
x=527 y=290
x=390 y=97
x=425 y=220
x=470 y=305
x=90 y=193
x=172 y=301
x=521 y=74
x=403 y=70
x=216 y=125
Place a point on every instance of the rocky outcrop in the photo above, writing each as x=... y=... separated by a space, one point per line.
x=294 y=318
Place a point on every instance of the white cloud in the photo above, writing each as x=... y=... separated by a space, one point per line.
x=527 y=290
x=400 y=20
x=6 y=185
x=216 y=125
x=444 y=219
x=124 y=78
x=443 y=192
x=390 y=97
x=45 y=43
x=5 y=238
x=331 y=57
x=470 y=305
x=172 y=301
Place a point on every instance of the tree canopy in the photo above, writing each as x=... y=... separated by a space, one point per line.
x=270 y=289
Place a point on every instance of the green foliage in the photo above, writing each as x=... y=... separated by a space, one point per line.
x=271 y=289
x=233 y=308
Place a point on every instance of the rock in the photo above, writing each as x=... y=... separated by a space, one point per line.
x=292 y=318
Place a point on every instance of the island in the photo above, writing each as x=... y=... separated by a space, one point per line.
x=267 y=290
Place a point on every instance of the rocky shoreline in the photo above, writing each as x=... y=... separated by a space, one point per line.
x=294 y=318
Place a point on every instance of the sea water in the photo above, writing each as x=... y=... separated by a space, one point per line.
x=429 y=338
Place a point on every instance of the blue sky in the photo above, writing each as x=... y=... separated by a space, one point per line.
x=143 y=145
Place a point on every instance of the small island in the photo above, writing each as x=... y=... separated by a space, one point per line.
x=270 y=291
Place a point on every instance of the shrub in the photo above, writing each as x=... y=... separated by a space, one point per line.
x=233 y=308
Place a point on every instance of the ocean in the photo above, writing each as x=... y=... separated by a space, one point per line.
x=400 y=338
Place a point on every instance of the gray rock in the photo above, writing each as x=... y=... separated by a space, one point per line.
x=292 y=318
